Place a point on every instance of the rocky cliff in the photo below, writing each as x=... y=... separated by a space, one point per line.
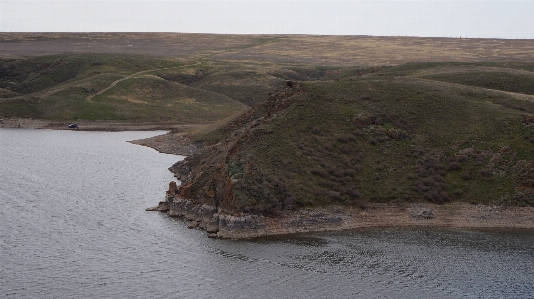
x=213 y=175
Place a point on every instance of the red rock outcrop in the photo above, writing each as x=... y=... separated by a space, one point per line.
x=207 y=195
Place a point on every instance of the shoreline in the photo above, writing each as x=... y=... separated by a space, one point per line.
x=219 y=224
x=96 y=125
x=307 y=220
x=174 y=142
x=335 y=218
x=455 y=215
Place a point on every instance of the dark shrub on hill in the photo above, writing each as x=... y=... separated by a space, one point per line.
x=432 y=185
x=454 y=165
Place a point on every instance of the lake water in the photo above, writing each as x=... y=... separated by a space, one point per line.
x=73 y=225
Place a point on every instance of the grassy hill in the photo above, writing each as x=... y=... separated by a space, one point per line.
x=65 y=87
x=138 y=88
x=391 y=135
x=363 y=119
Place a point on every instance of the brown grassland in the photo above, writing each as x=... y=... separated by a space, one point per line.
x=309 y=49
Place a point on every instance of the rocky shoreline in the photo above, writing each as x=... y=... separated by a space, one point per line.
x=219 y=224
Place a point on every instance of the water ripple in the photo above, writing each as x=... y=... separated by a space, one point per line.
x=73 y=225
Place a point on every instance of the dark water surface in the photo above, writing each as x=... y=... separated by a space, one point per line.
x=73 y=225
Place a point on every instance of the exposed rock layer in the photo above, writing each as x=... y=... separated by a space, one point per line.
x=219 y=224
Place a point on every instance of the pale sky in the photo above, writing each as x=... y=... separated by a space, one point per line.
x=440 y=18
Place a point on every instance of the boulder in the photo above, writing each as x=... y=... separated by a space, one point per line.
x=424 y=214
x=213 y=226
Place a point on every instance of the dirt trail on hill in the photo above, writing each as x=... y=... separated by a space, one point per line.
x=469 y=69
x=435 y=83
x=114 y=83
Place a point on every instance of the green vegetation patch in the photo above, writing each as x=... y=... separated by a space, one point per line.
x=26 y=108
x=33 y=74
x=149 y=98
x=353 y=141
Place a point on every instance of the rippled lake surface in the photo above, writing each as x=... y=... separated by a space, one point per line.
x=73 y=225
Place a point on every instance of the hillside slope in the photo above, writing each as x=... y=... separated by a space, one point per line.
x=106 y=87
x=138 y=88
x=359 y=140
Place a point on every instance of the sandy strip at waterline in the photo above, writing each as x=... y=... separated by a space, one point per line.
x=451 y=215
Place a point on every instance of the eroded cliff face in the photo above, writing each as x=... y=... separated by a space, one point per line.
x=220 y=224
x=213 y=178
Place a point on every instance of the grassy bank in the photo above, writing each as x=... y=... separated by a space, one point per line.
x=390 y=135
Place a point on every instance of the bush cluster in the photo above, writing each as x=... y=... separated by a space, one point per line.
x=432 y=180
x=398 y=121
x=336 y=166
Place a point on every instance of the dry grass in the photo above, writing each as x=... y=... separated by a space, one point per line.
x=366 y=50
x=309 y=49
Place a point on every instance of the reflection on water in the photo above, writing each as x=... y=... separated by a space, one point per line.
x=73 y=225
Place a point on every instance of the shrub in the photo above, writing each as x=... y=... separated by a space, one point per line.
x=345 y=149
x=432 y=184
x=363 y=120
x=438 y=197
x=351 y=191
x=316 y=131
x=336 y=172
x=528 y=119
x=485 y=173
x=328 y=147
x=334 y=195
x=454 y=166
x=345 y=138
x=420 y=187
x=397 y=134
x=378 y=121
x=319 y=172
x=350 y=173
x=461 y=158
x=467 y=176
x=382 y=139
x=362 y=204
